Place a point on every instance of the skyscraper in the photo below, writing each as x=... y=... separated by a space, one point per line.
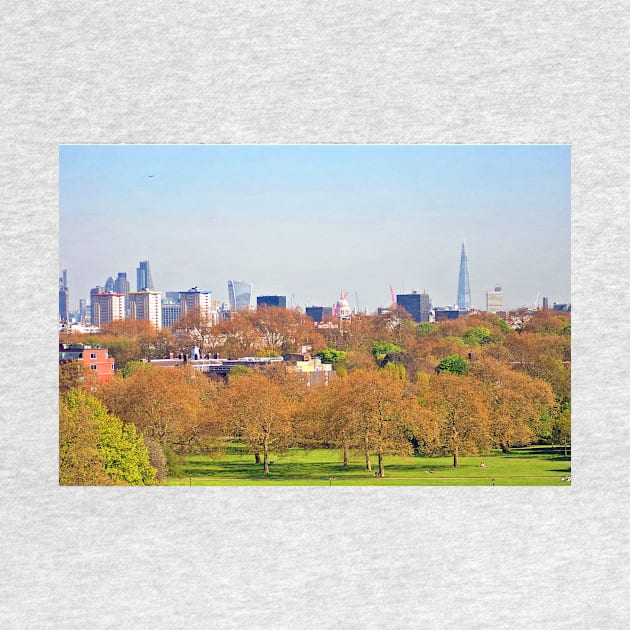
x=121 y=284
x=143 y=276
x=463 y=289
x=64 y=299
x=239 y=294
x=109 y=284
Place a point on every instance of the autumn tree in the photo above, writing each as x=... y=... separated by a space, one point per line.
x=234 y=337
x=516 y=402
x=194 y=328
x=384 y=411
x=285 y=330
x=260 y=410
x=462 y=414
x=331 y=415
x=174 y=406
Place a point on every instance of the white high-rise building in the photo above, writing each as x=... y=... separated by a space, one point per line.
x=494 y=300
x=197 y=300
x=107 y=307
x=146 y=305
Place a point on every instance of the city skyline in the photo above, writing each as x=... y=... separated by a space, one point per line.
x=308 y=221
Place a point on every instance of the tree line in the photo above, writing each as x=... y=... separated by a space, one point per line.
x=458 y=388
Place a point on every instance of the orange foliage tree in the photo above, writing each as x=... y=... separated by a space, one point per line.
x=260 y=411
x=516 y=402
x=175 y=406
x=462 y=413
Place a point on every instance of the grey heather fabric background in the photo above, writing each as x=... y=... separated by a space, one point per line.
x=288 y=72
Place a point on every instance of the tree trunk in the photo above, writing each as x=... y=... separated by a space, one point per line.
x=257 y=457
x=345 y=456
x=381 y=465
x=455 y=446
x=266 y=456
x=368 y=464
x=505 y=447
x=565 y=448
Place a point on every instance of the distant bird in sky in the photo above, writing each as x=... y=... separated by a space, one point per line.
x=151 y=176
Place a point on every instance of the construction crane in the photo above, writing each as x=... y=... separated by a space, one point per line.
x=536 y=301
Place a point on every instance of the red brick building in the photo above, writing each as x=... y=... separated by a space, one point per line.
x=98 y=366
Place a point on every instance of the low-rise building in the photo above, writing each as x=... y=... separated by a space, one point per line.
x=98 y=366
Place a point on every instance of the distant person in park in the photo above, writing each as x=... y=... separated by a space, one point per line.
x=482 y=465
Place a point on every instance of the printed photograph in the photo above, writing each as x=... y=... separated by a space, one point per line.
x=320 y=315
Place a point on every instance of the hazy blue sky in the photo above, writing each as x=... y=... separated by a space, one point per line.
x=313 y=220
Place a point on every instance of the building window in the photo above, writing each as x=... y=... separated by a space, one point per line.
x=93 y=367
x=113 y=367
x=92 y=355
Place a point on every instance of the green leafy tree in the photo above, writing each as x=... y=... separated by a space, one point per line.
x=503 y=325
x=478 y=336
x=561 y=428
x=380 y=349
x=332 y=356
x=453 y=364
x=96 y=448
x=426 y=328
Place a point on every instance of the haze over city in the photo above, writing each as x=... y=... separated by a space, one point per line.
x=308 y=221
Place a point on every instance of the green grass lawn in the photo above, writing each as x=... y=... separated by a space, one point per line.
x=531 y=466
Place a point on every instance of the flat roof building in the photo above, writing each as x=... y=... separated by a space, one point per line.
x=494 y=300
x=317 y=313
x=107 y=307
x=418 y=305
x=147 y=305
x=277 y=301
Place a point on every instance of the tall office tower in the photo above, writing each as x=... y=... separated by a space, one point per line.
x=239 y=294
x=107 y=307
x=146 y=305
x=463 y=289
x=109 y=284
x=494 y=300
x=121 y=284
x=418 y=305
x=545 y=304
x=82 y=309
x=196 y=300
x=64 y=297
x=279 y=301
x=143 y=276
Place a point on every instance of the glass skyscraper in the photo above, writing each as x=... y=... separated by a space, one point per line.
x=240 y=295
x=463 y=289
x=143 y=276
x=64 y=299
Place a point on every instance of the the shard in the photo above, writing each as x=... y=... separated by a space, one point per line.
x=463 y=288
